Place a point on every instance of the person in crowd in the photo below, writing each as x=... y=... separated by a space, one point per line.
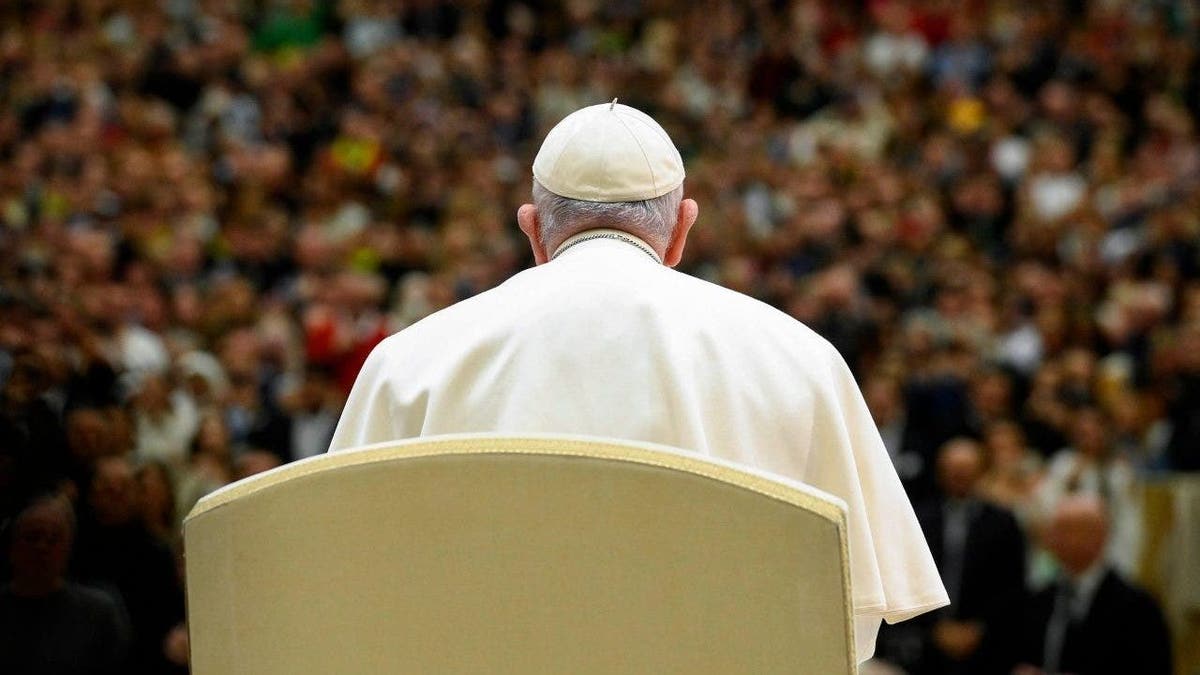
x=1091 y=621
x=156 y=501
x=116 y=552
x=165 y=420
x=31 y=429
x=1088 y=466
x=210 y=464
x=49 y=625
x=1183 y=448
x=1141 y=431
x=980 y=552
x=1013 y=471
x=313 y=408
x=909 y=443
x=253 y=462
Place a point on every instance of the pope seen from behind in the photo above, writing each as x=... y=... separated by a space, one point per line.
x=603 y=338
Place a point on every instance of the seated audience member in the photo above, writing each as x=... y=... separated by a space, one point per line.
x=156 y=501
x=910 y=445
x=1013 y=470
x=312 y=409
x=48 y=625
x=1141 y=431
x=30 y=427
x=165 y=420
x=116 y=552
x=1088 y=467
x=254 y=461
x=1091 y=621
x=1047 y=411
x=989 y=400
x=1183 y=449
x=210 y=464
x=980 y=553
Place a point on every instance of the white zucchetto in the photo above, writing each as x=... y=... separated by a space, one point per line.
x=608 y=153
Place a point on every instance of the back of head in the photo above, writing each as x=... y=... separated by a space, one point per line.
x=611 y=166
x=653 y=220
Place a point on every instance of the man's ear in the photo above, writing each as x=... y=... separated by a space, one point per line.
x=688 y=211
x=527 y=219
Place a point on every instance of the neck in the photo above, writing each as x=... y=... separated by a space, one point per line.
x=1077 y=575
x=607 y=233
x=35 y=587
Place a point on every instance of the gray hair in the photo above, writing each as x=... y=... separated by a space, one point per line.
x=651 y=219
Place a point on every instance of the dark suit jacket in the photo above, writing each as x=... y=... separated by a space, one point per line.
x=1123 y=633
x=992 y=588
x=919 y=440
x=139 y=570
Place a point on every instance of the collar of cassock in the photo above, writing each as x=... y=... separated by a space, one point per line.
x=605 y=233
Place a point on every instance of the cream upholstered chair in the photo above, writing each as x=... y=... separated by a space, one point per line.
x=470 y=554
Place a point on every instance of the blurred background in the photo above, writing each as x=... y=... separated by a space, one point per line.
x=212 y=210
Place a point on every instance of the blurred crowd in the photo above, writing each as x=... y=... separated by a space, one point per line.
x=212 y=210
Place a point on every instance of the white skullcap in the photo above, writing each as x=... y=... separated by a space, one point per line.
x=608 y=153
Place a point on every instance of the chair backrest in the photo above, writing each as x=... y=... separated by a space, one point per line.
x=471 y=554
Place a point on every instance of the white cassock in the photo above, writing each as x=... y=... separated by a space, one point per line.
x=605 y=341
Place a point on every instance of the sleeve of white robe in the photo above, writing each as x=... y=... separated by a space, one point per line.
x=893 y=576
